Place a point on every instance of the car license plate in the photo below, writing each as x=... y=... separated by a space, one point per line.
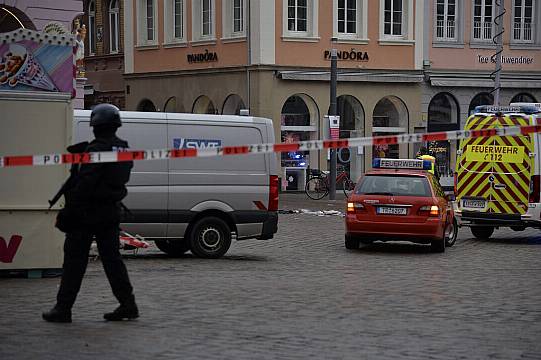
x=473 y=204
x=383 y=210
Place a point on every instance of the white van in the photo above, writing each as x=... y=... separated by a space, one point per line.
x=197 y=204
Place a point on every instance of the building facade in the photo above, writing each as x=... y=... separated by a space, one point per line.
x=459 y=48
x=35 y=15
x=397 y=68
x=104 y=52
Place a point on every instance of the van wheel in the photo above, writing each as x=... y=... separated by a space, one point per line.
x=210 y=238
x=482 y=232
x=451 y=233
x=173 y=247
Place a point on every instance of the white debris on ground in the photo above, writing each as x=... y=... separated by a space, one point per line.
x=314 y=212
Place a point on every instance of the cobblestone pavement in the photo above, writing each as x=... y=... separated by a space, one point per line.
x=300 y=295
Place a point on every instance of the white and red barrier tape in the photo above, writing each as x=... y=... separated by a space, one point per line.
x=160 y=154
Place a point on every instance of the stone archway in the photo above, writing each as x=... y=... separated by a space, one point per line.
x=232 y=105
x=523 y=98
x=483 y=98
x=204 y=105
x=146 y=105
x=13 y=19
x=390 y=117
x=170 y=105
x=352 y=119
x=443 y=115
x=299 y=121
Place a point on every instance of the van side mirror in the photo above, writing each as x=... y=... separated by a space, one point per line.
x=450 y=197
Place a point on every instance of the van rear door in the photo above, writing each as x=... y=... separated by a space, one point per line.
x=494 y=172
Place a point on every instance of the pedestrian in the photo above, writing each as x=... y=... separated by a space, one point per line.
x=92 y=212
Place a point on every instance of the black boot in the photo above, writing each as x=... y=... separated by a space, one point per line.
x=57 y=314
x=124 y=311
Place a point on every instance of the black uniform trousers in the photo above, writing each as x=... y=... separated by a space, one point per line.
x=76 y=251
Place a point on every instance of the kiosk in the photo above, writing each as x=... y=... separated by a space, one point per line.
x=37 y=84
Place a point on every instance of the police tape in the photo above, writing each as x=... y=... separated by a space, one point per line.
x=161 y=154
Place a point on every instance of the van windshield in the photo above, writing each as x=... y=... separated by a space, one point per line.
x=394 y=185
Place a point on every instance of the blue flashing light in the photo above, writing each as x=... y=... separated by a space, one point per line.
x=411 y=164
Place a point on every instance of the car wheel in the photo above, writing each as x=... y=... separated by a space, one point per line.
x=210 y=238
x=482 y=232
x=351 y=243
x=173 y=247
x=451 y=233
x=438 y=246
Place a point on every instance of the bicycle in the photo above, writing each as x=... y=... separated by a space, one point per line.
x=317 y=187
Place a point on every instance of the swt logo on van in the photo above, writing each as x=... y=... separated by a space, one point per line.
x=182 y=143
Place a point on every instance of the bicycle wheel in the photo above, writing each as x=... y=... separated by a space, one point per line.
x=316 y=188
x=347 y=186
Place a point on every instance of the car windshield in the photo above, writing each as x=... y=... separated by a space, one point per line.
x=394 y=185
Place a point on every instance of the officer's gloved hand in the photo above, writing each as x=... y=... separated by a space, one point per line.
x=77 y=148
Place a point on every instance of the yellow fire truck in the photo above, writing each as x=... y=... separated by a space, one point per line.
x=497 y=182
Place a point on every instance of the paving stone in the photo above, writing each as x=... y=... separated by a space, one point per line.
x=300 y=295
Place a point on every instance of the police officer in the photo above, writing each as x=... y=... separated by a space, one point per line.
x=92 y=212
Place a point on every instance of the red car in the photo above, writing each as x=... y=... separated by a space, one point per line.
x=400 y=200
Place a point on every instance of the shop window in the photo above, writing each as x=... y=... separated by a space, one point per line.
x=443 y=115
x=233 y=105
x=114 y=26
x=351 y=115
x=480 y=99
x=483 y=16
x=523 y=98
x=298 y=114
x=146 y=106
x=390 y=117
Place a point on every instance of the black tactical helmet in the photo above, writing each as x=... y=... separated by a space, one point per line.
x=105 y=114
